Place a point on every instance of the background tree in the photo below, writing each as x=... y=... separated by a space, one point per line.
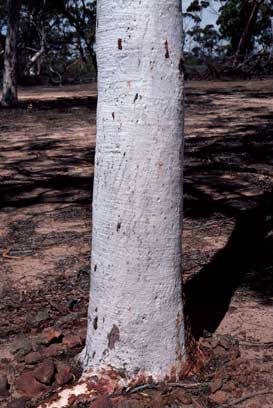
x=247 y=34
x=56 y=41
x=239 y=44
x=81 y=16
x=245 y=25
x=206 y=41
x=63 y=35
x=3 y=25
x=9 y=96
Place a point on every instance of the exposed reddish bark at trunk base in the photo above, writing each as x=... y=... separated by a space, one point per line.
x=113 y=384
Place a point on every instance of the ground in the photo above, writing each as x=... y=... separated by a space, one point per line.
x=47 y=154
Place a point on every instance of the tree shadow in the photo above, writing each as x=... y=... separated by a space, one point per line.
x=228 y=175
x=55 y=166
x=248 y=251
x=58 y=103
x=49 y=180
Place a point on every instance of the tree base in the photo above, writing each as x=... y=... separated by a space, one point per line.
x=113 y=383
x=9 y=103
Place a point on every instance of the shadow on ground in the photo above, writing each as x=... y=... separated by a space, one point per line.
x=230 y=177
x=44 y=158
x=245 y=260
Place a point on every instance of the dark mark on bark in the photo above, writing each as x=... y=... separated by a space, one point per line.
x=113 y=115
x=136 y=97
x=118 y=226
x=181 y=66
x=95 y=323
x=120 y=44
x=113 y=337
x=167 y=54
x=95 y=268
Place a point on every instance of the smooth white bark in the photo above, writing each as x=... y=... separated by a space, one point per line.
x=136 y=316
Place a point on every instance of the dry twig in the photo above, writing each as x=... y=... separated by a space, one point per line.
x=250 y=344
x=245 y=398
x=189 y=386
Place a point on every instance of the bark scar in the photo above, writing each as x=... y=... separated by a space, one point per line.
x=167 y=54
x=113 y=337
x=178 y=329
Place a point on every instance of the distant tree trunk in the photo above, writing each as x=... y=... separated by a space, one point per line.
x=9 y=96
x=36 y=58
x=136 y=325
x=246 y=37
x=271 y=52
x=2 y=41
x=94 y=61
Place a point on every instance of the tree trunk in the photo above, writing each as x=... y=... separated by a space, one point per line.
x=245 y=39
x=36 y=58
x=271 y=22
x=136 y=326
x=9 y=96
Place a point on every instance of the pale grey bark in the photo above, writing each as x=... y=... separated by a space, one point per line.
x=36 y=58
x=9 y=95
x=135 y=323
